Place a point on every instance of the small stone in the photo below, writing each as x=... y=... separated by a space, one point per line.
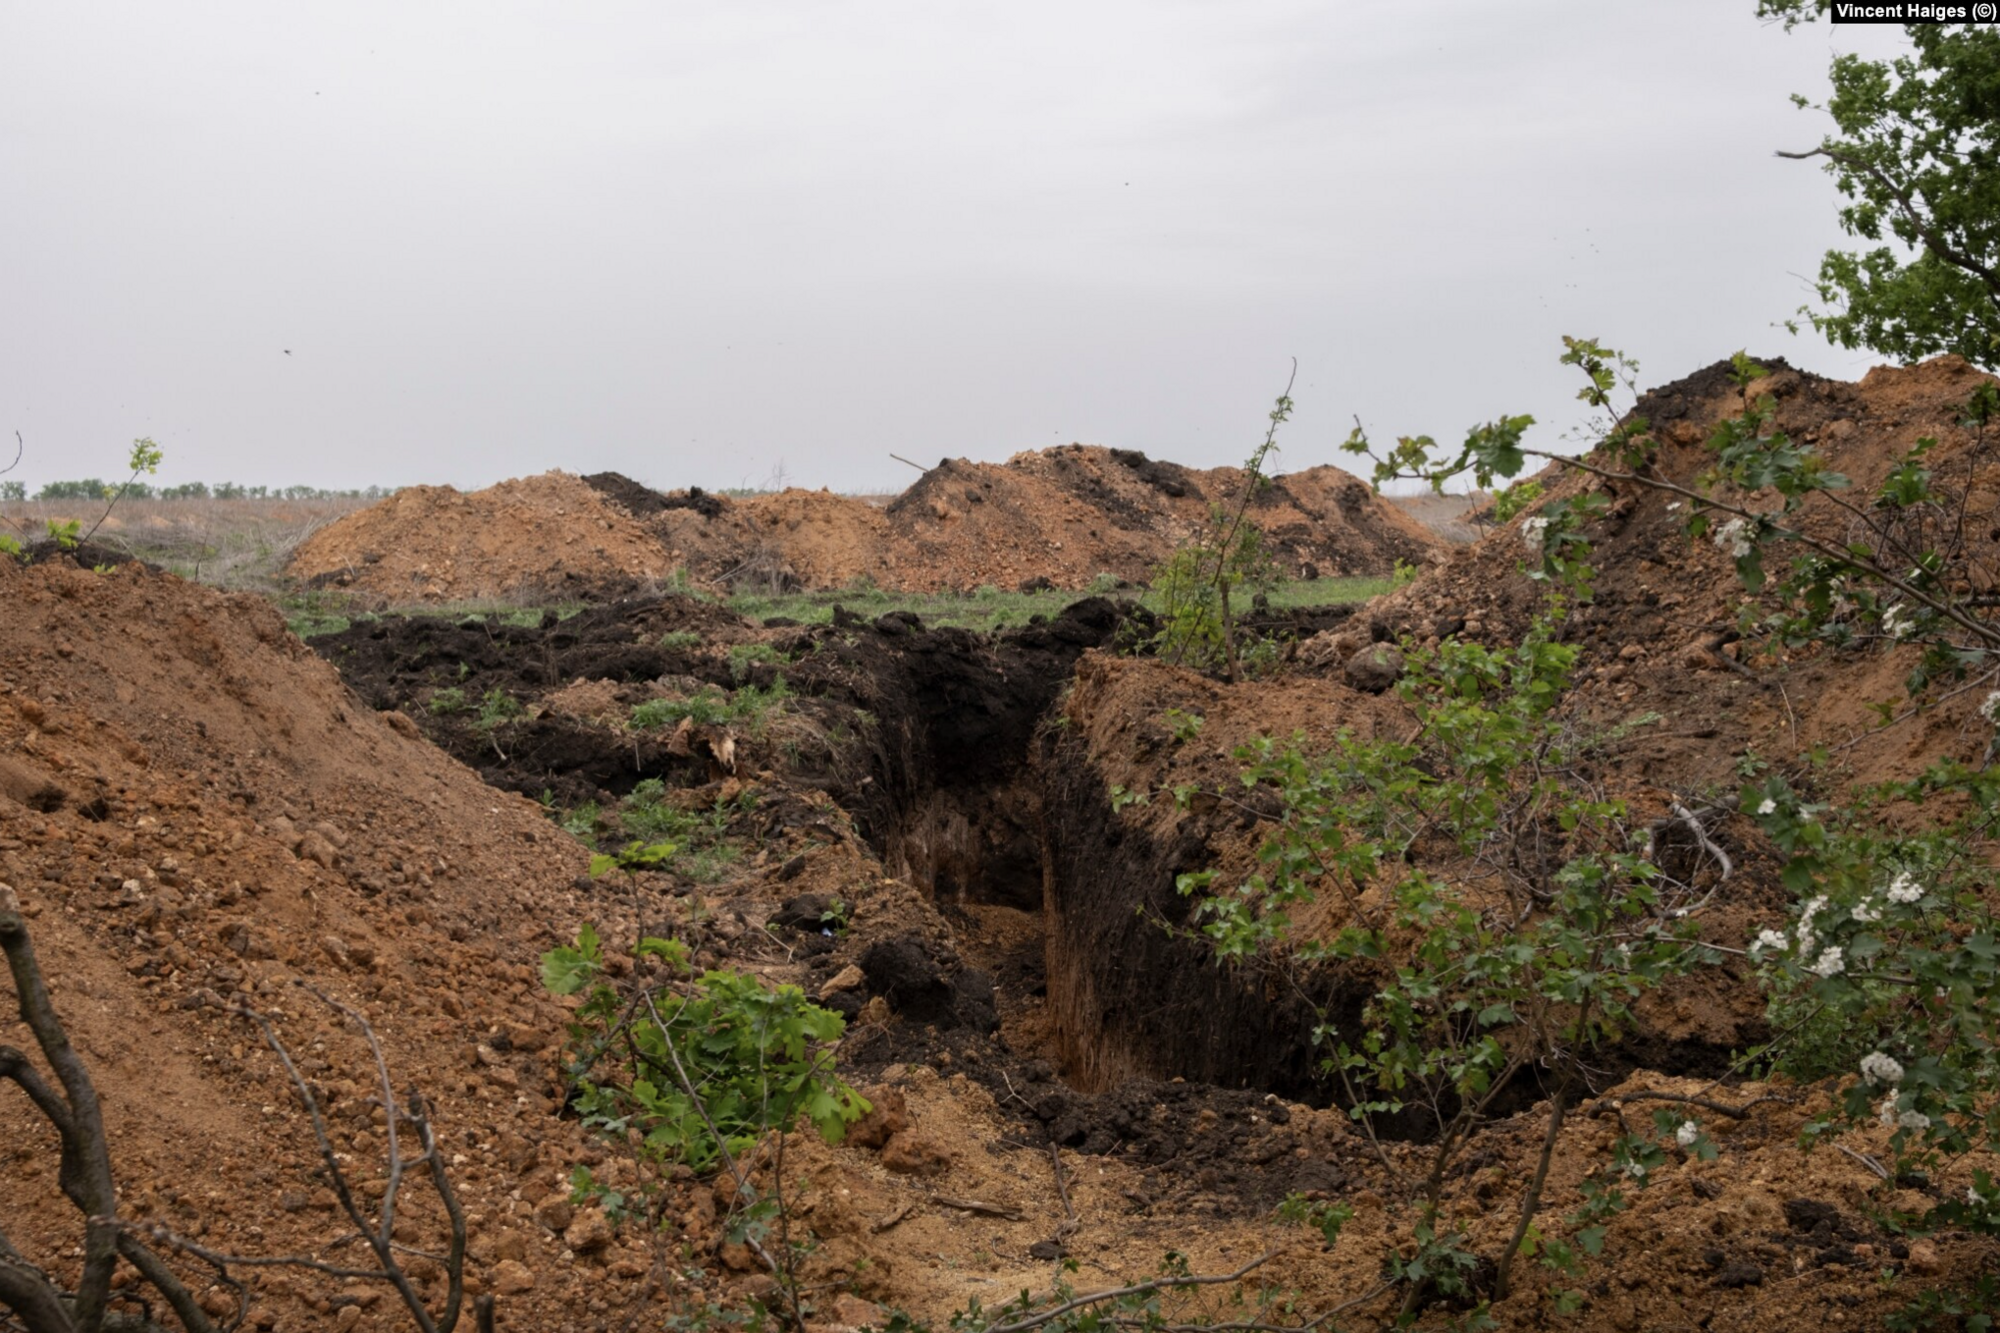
x=589 y=1232
x=909 y=1153
x=555 y=1213
x=1375 y=668
x=888 y=1116
x=848 y=978
x=850 y=1311
x=1924 y=1259
x=349 y=1316
x=313 y=847
x=511 y=1277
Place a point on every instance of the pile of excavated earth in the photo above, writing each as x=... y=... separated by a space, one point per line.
x=920 y=829
x=1056 y=518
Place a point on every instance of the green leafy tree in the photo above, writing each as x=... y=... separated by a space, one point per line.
x=1916 y=153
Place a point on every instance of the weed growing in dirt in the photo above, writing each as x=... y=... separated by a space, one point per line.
x=703 y=853
x=711 y=705
x=711 y=1073
x=497 y=706
x=742 y=656
x=1197 y=618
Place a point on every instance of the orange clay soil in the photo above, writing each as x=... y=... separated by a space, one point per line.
x=192 y=803
x=217 y=814
x=1059 y=517
x=543 y=538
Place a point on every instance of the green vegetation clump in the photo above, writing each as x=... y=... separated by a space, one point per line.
x=748 y=704
x=699 y=1069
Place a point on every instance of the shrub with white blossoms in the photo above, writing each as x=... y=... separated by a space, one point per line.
x=1990 y=709
x=1534 y=532
x=1889 y=966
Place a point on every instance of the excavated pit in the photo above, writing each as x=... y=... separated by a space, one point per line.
x=959 y=772
x=956 y=776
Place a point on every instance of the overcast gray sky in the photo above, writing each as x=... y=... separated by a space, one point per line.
x=715 y=243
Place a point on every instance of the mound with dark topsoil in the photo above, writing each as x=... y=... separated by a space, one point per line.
x=1054 y=518
x=1072 y=513
x=536 y=539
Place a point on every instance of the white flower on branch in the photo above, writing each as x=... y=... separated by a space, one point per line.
x=1734 y=537
x=1829 y=963
x=1878 y=1067
x=1905 y=889
x=1687 y=1133
x=1534 y=532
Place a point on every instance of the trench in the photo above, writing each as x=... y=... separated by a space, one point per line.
x=966 y=785
x=1002 y=820
x=991 y=806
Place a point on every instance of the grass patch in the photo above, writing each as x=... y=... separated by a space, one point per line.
x=749 y=705
x=310 y=614
x=693 y=843
x=990 y=608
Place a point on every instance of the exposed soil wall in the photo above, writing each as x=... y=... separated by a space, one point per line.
x=1131 y=998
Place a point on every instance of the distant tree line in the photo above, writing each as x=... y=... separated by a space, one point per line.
x=92 y=488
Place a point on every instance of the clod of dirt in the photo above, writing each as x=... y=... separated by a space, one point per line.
x=30 y=786
x=922 y=989
x=1375 y=668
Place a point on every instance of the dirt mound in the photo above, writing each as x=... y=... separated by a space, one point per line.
x=1055 y=518
x=210 y=810
x=1661 y=633
x=553 y=537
